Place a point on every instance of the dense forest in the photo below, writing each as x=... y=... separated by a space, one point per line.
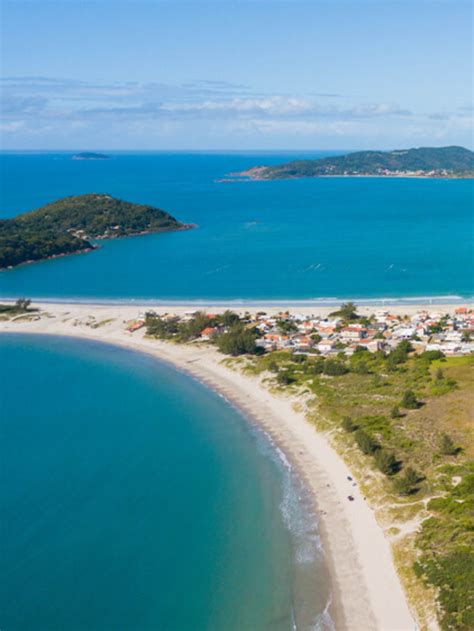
x=67 y=226
x=431 y=161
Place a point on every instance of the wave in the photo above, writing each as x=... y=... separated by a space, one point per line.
x=257 y=302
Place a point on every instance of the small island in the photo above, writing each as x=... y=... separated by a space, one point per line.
x=68 y=226
x=435 y=162
x=88 y=155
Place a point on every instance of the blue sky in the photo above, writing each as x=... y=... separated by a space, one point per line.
x=264 y=74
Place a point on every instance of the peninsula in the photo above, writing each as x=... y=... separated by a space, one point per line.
x=68 y=225
x=436 y=162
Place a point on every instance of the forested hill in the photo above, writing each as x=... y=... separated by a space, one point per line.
x=422 y=162
x=66 y=226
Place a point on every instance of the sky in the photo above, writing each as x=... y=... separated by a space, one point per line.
x=241 y=75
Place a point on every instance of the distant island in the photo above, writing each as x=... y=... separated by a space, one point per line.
x=87 y=155
x=439 y=162
x=66 y=226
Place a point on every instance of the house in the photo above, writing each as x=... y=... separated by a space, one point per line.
x=404 y=332
x=303 y=342
x=326 y=346
x=355 y=332
x=135 y=325
x=209 y=332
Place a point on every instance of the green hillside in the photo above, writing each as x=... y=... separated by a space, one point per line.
x=425 y=161
x=67 y=226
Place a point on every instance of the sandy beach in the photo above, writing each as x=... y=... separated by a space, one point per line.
x=367 y=594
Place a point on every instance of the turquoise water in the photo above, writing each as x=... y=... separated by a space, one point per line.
x=299 y=239
x=134 y=498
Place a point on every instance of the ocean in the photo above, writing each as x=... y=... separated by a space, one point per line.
x=310 y=239
x=133 y=497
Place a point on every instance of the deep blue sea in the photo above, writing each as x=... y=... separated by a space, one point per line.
x=300 y=239
x=132 y=497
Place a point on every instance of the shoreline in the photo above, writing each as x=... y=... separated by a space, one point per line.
x=316 y=306
x=366 y=592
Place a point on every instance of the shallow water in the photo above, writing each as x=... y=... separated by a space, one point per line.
x=133 y=497
x=297 y=239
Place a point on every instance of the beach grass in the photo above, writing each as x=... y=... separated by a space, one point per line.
x=429 y=526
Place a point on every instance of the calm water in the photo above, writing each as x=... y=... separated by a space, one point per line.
x=134 y=498
x=300 y=239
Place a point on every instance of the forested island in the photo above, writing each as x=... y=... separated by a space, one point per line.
x=446 y=162
x=88 y=155
x=68 y=226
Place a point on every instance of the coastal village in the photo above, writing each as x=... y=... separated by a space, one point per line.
x=452 y=334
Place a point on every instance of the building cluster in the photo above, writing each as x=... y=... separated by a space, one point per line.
x=452 y=334
x=426 y=330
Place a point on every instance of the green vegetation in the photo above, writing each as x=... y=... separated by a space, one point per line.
x=447 y=544
x=409 y=401
x=447 y=446
x=67 y=226
x=347 y=311
x=230 y=334
x=436 y=161
x=20 y=307
x=422 y=453
x=237 y=341
x=414 y=463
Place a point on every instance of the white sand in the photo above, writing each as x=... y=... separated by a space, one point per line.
x=367 y=594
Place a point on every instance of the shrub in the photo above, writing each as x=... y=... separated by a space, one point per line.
x=431 y=355
x=365 y=442
x=406 y=484
x=318 y=367
x=361 y=368
x=399 y=355
x=284 y=379
x=395 y=413
x=386 y=462
x=334 y=368
x=348 y=425
x=409 y=401
x=411 y=476
x=447 y=446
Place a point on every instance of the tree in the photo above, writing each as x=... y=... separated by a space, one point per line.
x=447 y=446
x=409 y=401
x=365 y=442
x=316 y=338
x=386 y=462
x=347 y=311
x=399 y=355
x=286 y=326
x=237 y=341
x=22 y=304
x=229 y=318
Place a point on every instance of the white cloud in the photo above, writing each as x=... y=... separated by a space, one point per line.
x=12 y=126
